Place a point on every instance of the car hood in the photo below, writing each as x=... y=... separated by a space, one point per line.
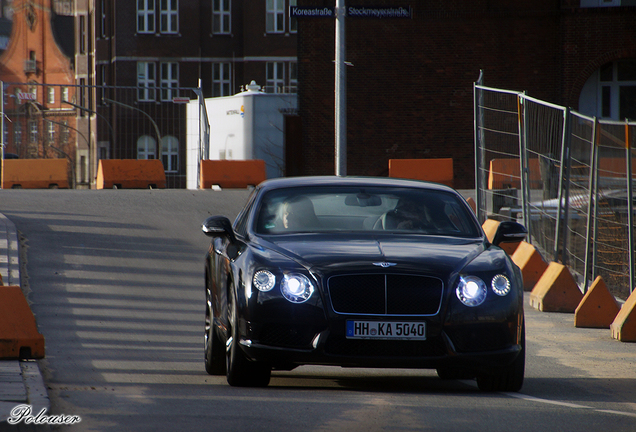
x=422 y=254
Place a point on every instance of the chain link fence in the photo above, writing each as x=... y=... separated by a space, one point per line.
x=87 y=123
x=564 y=175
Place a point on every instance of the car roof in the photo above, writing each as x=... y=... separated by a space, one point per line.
x=284 y=182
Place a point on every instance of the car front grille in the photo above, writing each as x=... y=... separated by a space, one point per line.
x=385 y=294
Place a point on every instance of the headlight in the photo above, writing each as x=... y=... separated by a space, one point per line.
x=264 y=280
x=500 y=285
x=471 y=291
x=296 y=288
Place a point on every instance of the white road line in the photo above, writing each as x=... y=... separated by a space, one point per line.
x=567 y=404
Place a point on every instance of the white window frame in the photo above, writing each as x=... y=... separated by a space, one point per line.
x=146 y=147
x=33 y=131
x=50 y=96
x=221 y=79
x=275 y=17
x=614 y=88
x=65 y=94
x=17 y=133
x=221 y=16
x=169 y=80
x=51 y=131
x=146 y=16
x=293 y=77
x=170 y=153
x=293 y=22
x=169 y=16
x=146 y=81
x=274 y=78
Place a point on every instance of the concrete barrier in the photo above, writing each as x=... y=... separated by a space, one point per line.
x=232 y=173
x=532 y=265
x=556 y=291
x=624 y=326
x=19 y=337
x=130 y=174
x=598 y=309
x=473 y=205
x=35 y=173
x=490 y=227
x=434 y=170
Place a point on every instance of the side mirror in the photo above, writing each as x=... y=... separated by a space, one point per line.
x=218 y=226
x=509 y=232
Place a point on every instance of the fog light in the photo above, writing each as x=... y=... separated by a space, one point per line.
x=500 y=285
x=264 y=280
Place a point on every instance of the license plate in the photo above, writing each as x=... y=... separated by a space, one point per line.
x=395 y=330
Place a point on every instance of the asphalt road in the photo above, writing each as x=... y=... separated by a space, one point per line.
x=116 y=281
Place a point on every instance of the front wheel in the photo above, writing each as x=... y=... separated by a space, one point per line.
x=240 y=371
x=213 y=349
x=508 y=379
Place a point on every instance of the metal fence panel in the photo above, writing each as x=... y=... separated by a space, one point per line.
x=571 y=186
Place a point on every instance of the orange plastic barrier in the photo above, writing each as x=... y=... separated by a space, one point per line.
x=598 y=309
x=504 y=174
x=130 y=174
x=232 y=173
x=35 y=173
x=532 y=265
x=624 y=326
x=556 y=291
x=19 y=337
x=434 y=170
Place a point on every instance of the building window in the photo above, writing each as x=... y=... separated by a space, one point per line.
x=50 y=96
x=65 y=94
x=102 y=19
x=275 y=77
x=275 y=21
x=169 y=16
x=293 y=77
x=82 y=34
x=221 y=16
x=17 y=134
x=293 y=22
x=221 y=79
x=33 y=131
x=170 y=153
x=146 y=148
x=146 y=81
x=618 y=89
x=599 y=3
x=169 y=80
x=64 y=132
x=145 y=16
x=51 y=131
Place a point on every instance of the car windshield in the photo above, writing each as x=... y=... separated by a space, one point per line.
x=393 y=209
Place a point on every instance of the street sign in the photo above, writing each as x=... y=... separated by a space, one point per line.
x=351 y=12
x=311 y=12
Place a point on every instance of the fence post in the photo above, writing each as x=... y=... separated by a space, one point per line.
x=564 y=190
x=630 y=206
x=591 y=210
x=479 y=152
x=523 y=162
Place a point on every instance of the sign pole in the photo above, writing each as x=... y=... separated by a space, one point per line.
x=340 y=92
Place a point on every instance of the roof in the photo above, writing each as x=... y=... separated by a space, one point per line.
x=350 y=181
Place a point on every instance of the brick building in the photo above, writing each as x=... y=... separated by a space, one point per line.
x=37 y=71
x=169 y=47
x=409 y=86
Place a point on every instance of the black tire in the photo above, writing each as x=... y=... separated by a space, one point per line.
x=509 y=379
x=213 y=348
x=241 y=372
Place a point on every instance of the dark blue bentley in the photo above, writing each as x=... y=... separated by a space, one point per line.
x=362 y=272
